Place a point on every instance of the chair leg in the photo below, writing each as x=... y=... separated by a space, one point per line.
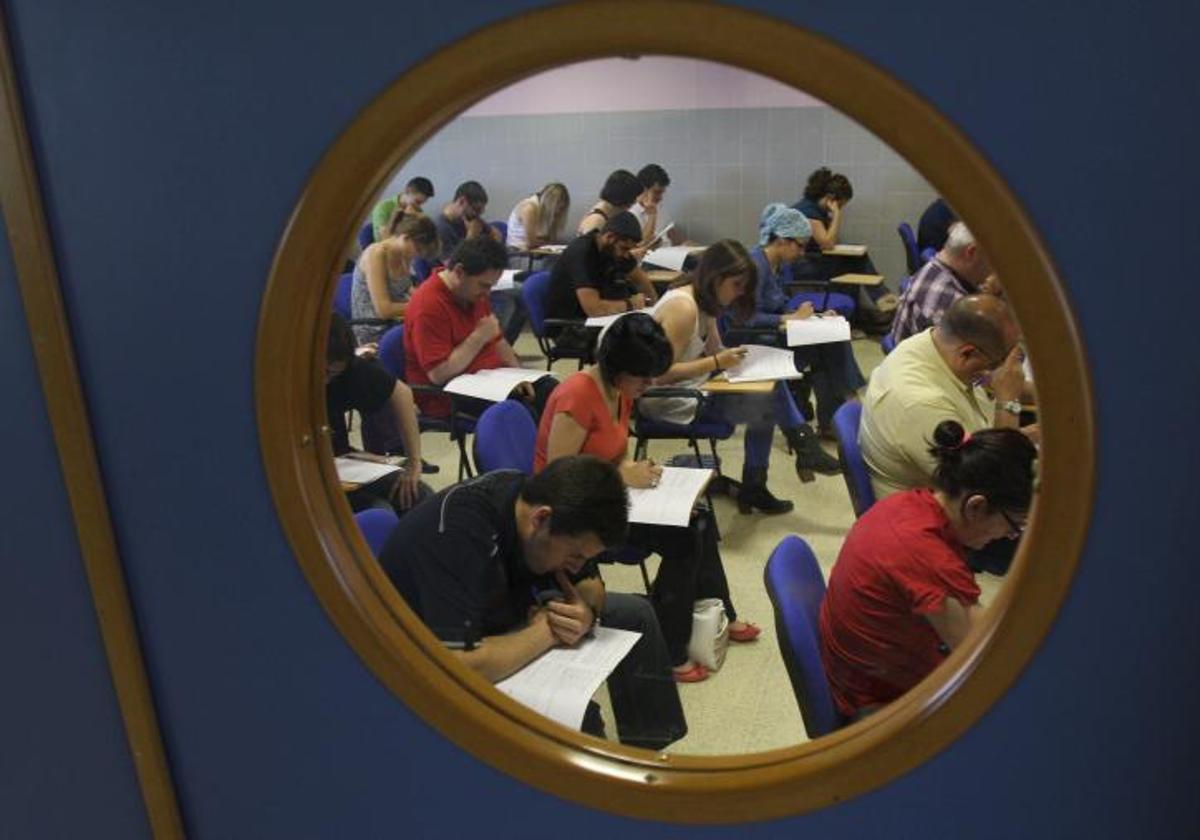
x=639 y=449
x=464 y=462
x=645 y=577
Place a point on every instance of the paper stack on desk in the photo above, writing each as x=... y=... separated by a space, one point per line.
x=559 y=683
x=764 y=363
x=822 y=329
x=671 y=257
x=846 y=251
x=493 y=385
x=671 y=502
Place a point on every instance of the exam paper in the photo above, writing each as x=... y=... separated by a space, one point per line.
x=493 y=385
x=671 y=502
x=822 y=329
x=354 y=471
x=605 y=320
x=559 y=683
x=507 y=280
x=671 y=257
x=764 y=363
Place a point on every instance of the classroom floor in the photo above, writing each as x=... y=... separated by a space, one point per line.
x=748 y=706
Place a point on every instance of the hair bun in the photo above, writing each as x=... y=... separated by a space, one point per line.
x=949 y=435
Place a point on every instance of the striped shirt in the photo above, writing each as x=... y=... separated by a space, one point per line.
x=933 y=289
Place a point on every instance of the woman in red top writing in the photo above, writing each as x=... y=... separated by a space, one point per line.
x=901 y=594
x=589 y=413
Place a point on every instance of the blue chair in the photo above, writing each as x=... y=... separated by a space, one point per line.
x=422 y=268
x=909 y=239
x=376 y=525
x=504 y=438
x=341 y=295
x=534 y=292
x=502 y=229
x=458 y=426
x=887 y=344
x=366 y=235
x=854 y=469
x=796 y=588
x=905 y=283
x=928 y=254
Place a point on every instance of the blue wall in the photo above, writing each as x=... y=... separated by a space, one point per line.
x=173 y=141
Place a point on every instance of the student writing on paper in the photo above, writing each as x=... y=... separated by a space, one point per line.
x=833 y=372
x=450 y=330
x=383 y=274
x=596 y=276
x=726 y=278
x=589 y=414
x=901 y=594
x=824 y=201
x=538 y=219
x=416 y=192
x=618 y=194
x=387 y=409
x=502 y=566
x=648 y=209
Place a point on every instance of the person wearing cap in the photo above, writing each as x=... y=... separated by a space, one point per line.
x=782 y=235
x=597 y=276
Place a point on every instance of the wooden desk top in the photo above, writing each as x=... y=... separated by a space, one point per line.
x=858 y=279
x=845 y=251
x=661 y=275
x=721 y=385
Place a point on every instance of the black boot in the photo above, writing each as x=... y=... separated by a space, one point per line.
x=810 y=457
x=754 y=494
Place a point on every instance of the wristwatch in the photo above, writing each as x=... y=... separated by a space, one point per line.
x=1013 y=407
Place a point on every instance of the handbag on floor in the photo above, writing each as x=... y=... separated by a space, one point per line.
x=710 y=633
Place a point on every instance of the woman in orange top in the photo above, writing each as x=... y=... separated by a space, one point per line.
x=589 y=413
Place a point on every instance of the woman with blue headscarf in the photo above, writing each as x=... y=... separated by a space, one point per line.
x=782 y=235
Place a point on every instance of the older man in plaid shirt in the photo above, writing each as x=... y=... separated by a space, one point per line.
x=959 y=269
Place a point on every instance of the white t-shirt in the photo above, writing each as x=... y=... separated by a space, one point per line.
x=663 y=218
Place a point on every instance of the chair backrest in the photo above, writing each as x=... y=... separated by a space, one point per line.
x=796 y=588
x=422 y=268
x=887 y=344
x=504 y=438
x=910 y=246
x=376 y=525
x=502 y=229
x=854 y=469
x=366 y=235
x=534 y=292
x=927 y=255
x=391 y=351
x=341 y=295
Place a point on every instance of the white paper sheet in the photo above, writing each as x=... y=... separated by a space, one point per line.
x=605 y=320
x=822 y=329
x=494 y=384
x=354 y=471
x=661 y=233
x=764 y=363
x=847 y=251
x=507 y=280
x=559 y=683
x=671 y=502
x=551 y=248
x=671 y=257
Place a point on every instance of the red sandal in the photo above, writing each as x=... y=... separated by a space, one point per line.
x=746 y=634
x=697 y=673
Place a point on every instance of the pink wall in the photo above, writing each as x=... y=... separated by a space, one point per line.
x=653 y=83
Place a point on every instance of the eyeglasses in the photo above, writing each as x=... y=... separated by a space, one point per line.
x=1015 y=528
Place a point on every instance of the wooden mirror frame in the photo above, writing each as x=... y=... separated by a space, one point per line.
x=395 y=644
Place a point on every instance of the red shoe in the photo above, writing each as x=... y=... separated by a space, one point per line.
x=746 y=634
x=697 y=673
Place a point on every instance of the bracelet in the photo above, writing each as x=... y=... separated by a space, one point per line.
x=716 y=364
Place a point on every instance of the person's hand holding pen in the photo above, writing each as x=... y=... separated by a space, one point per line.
x=570 y=618
x=641 y=474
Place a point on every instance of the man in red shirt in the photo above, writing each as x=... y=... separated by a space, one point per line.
x=449 y=329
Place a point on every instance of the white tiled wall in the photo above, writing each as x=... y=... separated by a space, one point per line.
x=725 y=165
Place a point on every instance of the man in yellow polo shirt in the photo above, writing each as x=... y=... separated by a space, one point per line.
x=937 y=375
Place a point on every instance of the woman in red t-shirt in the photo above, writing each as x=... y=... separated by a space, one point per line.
x=901 y=594
x=589 y=413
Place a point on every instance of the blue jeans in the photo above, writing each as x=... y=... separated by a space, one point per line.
x=761 y=413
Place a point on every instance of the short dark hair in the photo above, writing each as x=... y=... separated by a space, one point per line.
x=472 y=191
x=421 y=185
x=478 y=255
x=652 y=175
x=823 y=182
x=634 y=345
x=980 y=320
x=727 y=258
x=586 y=495
x=621 y=188
x=340 y=347
x=997 y=464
